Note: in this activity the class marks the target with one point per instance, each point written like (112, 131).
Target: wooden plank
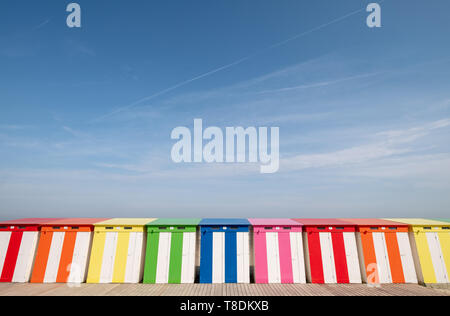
(245, 290)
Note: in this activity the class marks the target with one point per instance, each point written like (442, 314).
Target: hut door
(80, 257)
(298, 261)
(351, 252)
(218, 270)
(5, 237)
(135, 263)
(25, 257)
(109, 255)
(162, 270)
(329, 268)
(409, 269)
(243, 257)
(188, 257)
(381, 253)
(273, 258)
(54, 257)
(437, 258)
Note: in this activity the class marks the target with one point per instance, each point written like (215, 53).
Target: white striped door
(134, 258)
(298, 260)
(162, 269)
(381, 253)
(437, 258)
(273, 258)
(218, 275)
(109, 256)
(54, 257)
(243, 257)
(351, 252)
(80, 258)
(4, 244)
(329, 267)
(25, 259)
(409, 270)
(188, 259)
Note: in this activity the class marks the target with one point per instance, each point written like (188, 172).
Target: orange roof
(77, 221)
(373, 222)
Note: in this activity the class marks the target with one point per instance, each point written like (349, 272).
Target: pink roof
(323, 222)
(30, 221)
(77, 221)
(273, 222)
(373, 222)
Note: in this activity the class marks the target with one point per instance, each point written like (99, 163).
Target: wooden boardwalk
(27, 289)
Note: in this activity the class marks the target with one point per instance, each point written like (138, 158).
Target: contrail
(183, 83)
(41, 25)
(174, 87)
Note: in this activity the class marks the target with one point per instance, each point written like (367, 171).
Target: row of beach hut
(126, 250)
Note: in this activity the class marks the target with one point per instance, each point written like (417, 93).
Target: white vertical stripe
(192, 257)
(243, 254)
(329, 267)
(109, 256)
(437, 257)
(77, 272)
(384, 268)
(185, 259)
(162, 266)
(218, 268)
(134, 267)
(247, 257)
(188, 258)
(54, 257)
(409, 270)
(25, 259)
(298, 261)
(4, 244)
(133, 259)
(351, 252)
(273, 258)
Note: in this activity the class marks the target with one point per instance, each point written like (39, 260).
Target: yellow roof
(418, 221)
(126, 222)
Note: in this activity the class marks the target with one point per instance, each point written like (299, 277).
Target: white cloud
(386, 144)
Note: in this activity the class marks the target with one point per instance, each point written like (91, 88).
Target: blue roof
(224, 222)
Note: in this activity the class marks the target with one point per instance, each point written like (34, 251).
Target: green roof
(442, 219)
(175, 222)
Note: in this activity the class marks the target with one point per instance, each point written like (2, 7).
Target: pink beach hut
(278, 251)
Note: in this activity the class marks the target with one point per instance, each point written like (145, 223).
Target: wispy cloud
(78, 48)
(319, 84)
(14, 127)
(389, 143)
(75, 133)
(398, 144)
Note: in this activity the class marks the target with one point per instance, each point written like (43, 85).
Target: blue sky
(364, 114)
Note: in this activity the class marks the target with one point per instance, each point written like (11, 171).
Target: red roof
(323, 222)
(77, 221)
(373, 222)
(30, 221)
